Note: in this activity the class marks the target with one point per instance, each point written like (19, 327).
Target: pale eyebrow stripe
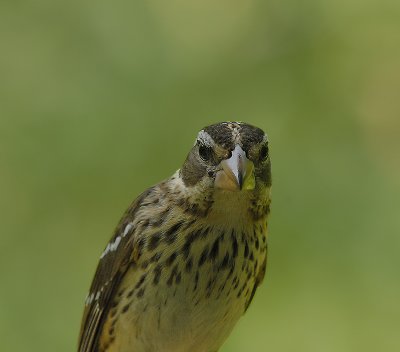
(205, 138)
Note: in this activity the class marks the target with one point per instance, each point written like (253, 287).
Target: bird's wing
(120, 252)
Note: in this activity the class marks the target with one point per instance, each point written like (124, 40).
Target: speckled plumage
(186, 258)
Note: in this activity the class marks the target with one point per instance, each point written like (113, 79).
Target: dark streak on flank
(171, 259)
(214, 250)
(154, 241)
(125, 308)
(145, 264)
(232, 262)
(203, 256)
(178, 278)
(140, 293)
(205, 232)
(189, 265)
(225, 261)
(172, 233)
(157, 274)
(246, 249)
(140, 282)
(156, 257)
(210, 281)
(234, 245)
(173, 274)
(140, 246)
(190, 238)
(196, 281)
(243, 287)
(209, 287)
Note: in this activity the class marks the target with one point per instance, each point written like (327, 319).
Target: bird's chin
(224, 182)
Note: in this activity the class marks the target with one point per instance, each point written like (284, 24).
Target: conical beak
(237, 172)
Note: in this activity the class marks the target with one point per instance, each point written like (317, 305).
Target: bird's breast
(187, 294)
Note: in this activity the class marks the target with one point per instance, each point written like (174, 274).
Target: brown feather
(109, 274)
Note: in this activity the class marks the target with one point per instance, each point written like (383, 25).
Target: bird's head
(229, 160)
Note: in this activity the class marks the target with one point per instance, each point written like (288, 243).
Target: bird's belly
(178, 319)
(179, 327)
(189, 305)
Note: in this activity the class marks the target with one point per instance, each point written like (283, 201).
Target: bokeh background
(99, 100)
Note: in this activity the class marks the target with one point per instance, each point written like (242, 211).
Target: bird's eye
(206, 153)
(264, 152)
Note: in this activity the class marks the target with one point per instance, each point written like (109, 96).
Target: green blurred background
(99, 100)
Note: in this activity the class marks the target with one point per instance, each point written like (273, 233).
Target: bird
(187, 256)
